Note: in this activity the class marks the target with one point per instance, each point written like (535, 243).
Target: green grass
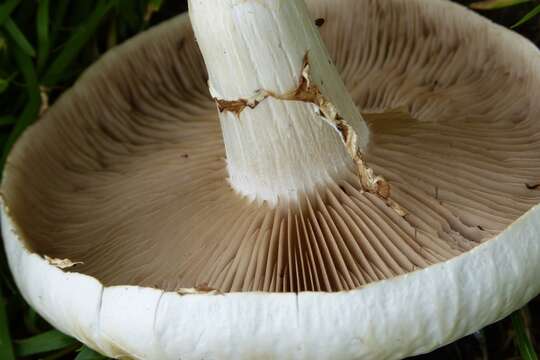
(44, 46)
(522, 338)
(501, 4)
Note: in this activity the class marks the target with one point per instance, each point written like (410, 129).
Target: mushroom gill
(127, 172)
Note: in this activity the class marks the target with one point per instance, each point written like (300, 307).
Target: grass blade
(42, 343)
(18, 37)
(76, 42)
(528, 17)
(31, 109)
(85, 353)
(7, 120)
(31, 319)
(153, 7)
(522, 340)
(6, 345)
(4, 84)
(59, 12)
(6, 9)
(42, 25)
(62, 354)
(495, 4)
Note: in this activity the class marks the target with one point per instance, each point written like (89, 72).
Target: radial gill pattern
(127, 172)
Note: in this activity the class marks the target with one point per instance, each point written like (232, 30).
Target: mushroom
(293, 226)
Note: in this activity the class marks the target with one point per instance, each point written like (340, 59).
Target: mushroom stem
(277, 91)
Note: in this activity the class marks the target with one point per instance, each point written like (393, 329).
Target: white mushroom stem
(277, 91)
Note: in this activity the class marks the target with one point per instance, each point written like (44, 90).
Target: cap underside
(127, 172)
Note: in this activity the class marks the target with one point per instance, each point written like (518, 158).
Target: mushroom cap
(128, 166)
